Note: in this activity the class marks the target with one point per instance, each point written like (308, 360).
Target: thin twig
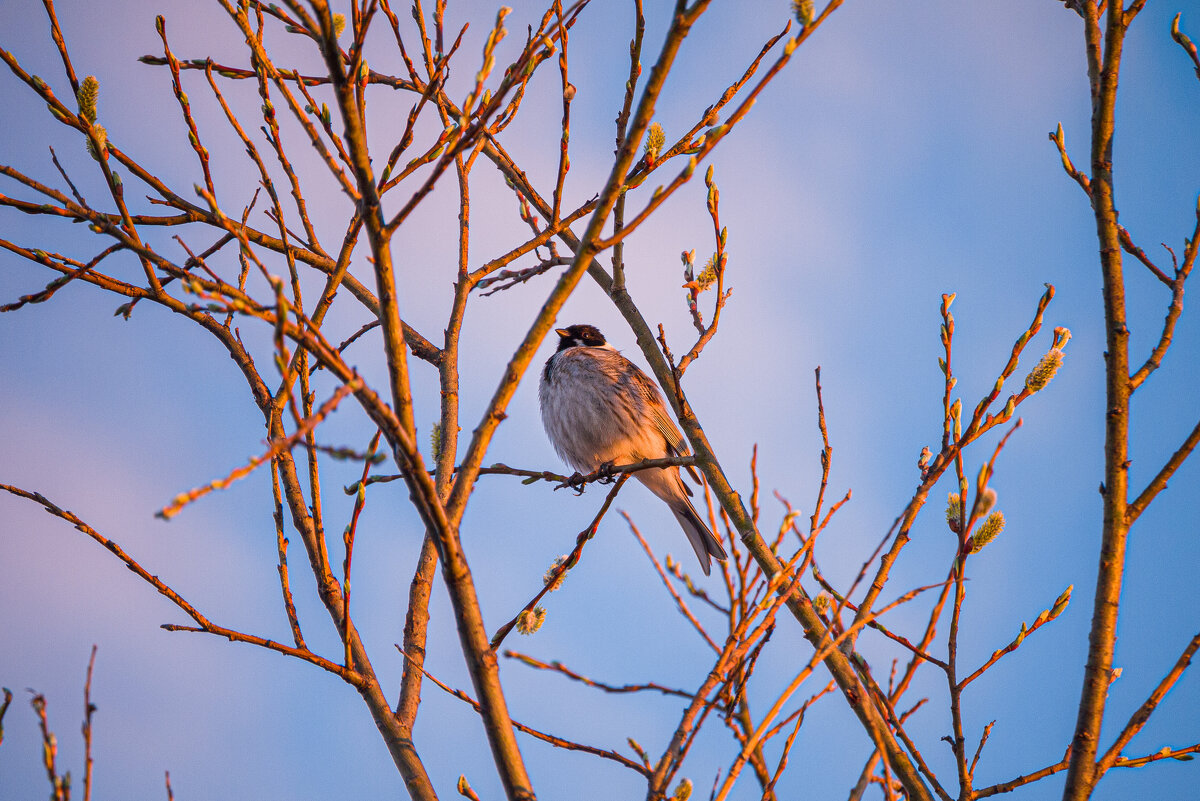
(557, 742)
(1142, 715)
(205, 625)
(679, 602)
(560, 570)
(182, 500)
(88, 710)
(559, 667)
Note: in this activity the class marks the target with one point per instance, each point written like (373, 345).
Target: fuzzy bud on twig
(101, 138)
(954, 512)
(435, 440)
(803, 9)
(683, 790)
(990, 529)
(549, 579)
(88, 94)
(655, 138)
(986, 501)
(821, 603)
(707, 276)
(530, 621)
(1040, 375)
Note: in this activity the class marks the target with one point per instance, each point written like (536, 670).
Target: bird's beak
(562, 332)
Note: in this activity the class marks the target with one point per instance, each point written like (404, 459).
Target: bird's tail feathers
(667, 484)
(703, 542)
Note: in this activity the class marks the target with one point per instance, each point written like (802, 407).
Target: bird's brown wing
(656, 408)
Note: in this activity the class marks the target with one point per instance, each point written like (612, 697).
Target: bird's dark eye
(591, 337)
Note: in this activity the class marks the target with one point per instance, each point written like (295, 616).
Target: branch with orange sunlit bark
(351, 151)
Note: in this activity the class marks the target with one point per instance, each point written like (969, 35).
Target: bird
(599, 409)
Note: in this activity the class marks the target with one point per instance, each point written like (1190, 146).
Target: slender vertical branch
(89, 709)
(481, 660)
(1104, 62)
(635, 72)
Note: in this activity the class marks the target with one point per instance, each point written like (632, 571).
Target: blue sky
(901, 155)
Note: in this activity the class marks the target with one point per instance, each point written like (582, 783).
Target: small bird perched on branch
(600, 409)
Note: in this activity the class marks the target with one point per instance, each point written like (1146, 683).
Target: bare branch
(1045, 617)
(557, 742)
(1159, 482)
(1028, 778)
(204, 624)
(559, 667)
(1183, 41)
(1112, 756)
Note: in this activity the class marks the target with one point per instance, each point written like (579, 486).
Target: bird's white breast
(592, 411)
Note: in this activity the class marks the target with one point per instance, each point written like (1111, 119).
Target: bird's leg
(578, 482)
(605, 472)
(575, 481)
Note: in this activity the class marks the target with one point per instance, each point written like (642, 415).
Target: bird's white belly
(591, 425)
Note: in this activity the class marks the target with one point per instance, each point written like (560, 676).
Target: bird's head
(574, 336)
